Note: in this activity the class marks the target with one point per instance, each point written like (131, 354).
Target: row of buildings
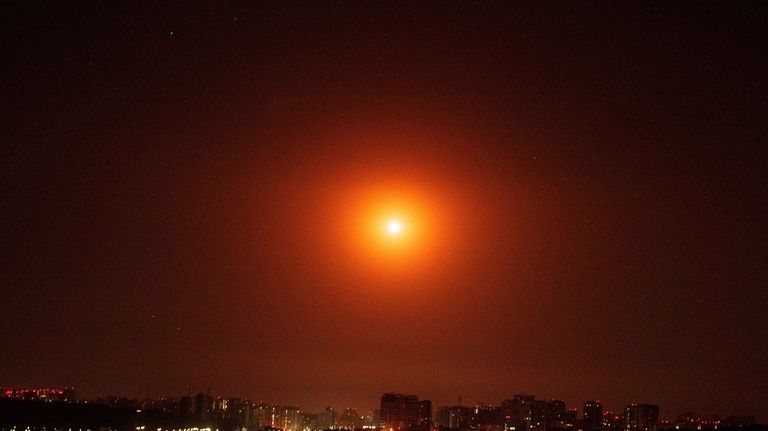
(522, 412)
(397, 412)
(66, 395)
(248, 415)
(200, 411)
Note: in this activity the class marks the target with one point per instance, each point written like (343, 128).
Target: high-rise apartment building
(593, 415)
(454, 417)
(424, 416)
(641, 417)
(399, 412)
(555, 414)
(539, 415)
(518, 412)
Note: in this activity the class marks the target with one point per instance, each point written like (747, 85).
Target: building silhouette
(398, 411)
(593, 415)
(555, 414)
(454, 417)
(424, 416)
(641, 417)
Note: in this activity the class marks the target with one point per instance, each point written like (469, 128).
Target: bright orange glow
(395, 227)
(405, 228)
(395, 231)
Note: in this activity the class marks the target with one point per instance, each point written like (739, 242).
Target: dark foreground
(24, 415)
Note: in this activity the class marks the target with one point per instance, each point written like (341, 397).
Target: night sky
(182, 190)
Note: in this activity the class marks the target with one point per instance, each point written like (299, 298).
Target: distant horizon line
(190, 393)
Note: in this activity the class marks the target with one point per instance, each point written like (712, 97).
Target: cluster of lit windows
(142, 428)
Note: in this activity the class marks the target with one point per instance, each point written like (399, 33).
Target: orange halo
(393, 230)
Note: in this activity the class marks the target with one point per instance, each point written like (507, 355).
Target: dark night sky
(179, 185)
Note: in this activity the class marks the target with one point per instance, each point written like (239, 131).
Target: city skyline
(580, 411)
(317, 202)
